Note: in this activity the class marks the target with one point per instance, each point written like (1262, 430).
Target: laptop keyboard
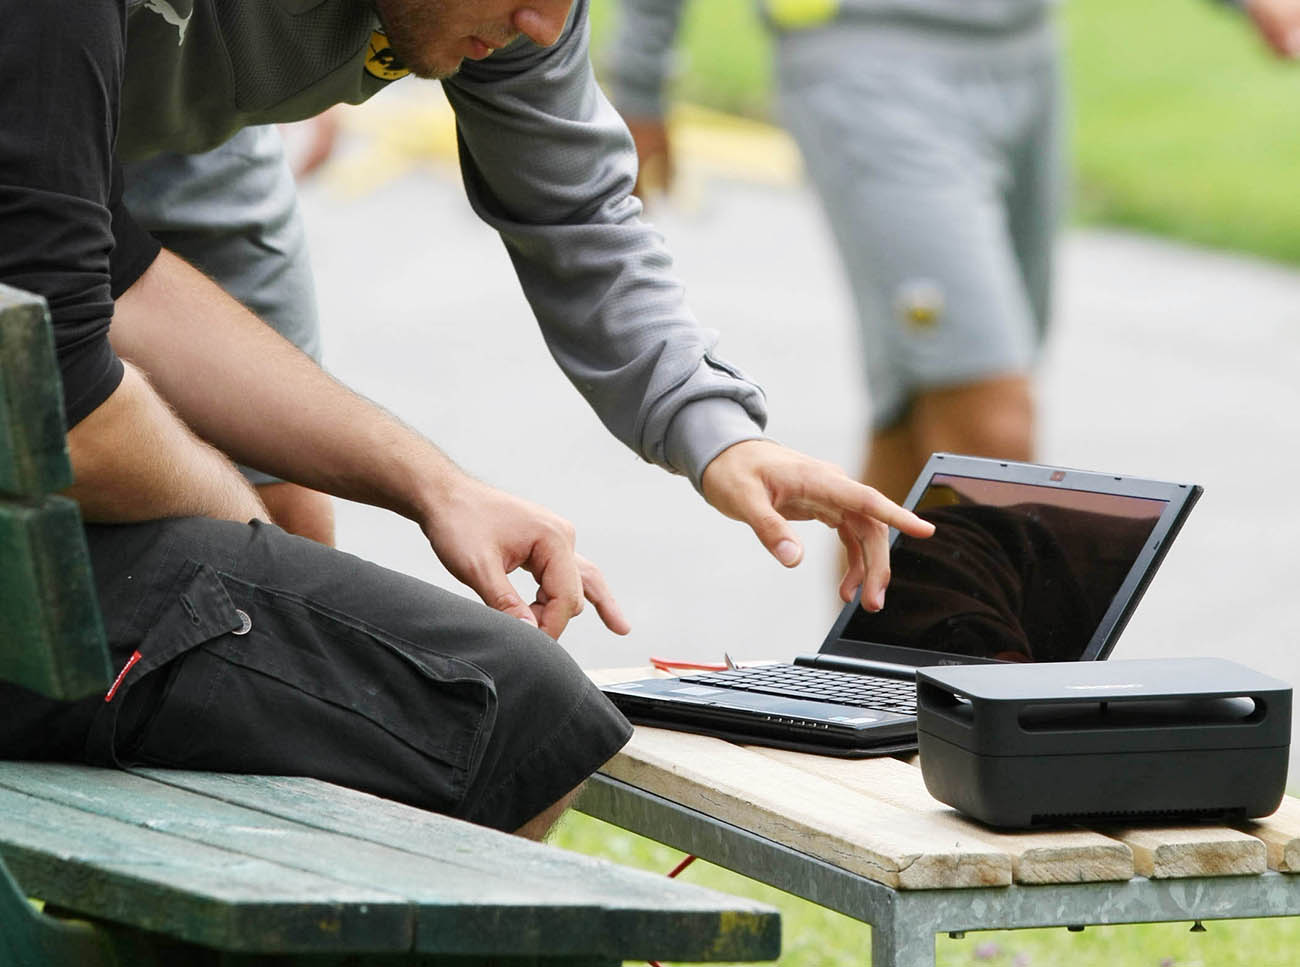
(816, 684)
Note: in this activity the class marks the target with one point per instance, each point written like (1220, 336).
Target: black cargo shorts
(241, 648)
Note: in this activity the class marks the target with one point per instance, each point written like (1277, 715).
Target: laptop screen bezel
(1179, 499)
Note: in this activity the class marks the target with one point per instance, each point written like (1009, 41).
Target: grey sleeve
(638, 65)
(549, 164)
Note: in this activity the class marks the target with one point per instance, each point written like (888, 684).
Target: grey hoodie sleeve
(637, 68)
(549, 164)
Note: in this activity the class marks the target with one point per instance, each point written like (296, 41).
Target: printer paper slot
(1146, 713)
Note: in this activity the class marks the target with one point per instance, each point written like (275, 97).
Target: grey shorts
(249, 650)
(233, 213)
(937, 156)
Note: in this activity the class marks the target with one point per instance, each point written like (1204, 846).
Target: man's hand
(482, 534)
(766, 485)
(654, 154)
(1278, 22)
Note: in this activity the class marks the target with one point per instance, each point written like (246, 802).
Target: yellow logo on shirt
(381, 59)
(795, 14)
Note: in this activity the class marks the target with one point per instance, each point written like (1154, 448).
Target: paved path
(1167, 362)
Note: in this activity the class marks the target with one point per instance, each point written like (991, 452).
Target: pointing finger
(597, 591)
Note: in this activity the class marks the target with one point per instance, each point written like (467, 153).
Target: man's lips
(480, 48)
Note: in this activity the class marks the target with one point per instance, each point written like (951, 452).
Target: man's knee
(299, 510)
(989, 418)
(540, 826)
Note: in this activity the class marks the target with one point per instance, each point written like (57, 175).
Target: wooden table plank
(215, 897)
(640, 915)
(805, 812)
(1178, 851)
(1280, 834)
(612, 676)
(1057, 856)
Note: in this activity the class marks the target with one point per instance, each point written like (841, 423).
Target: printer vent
(1128, 816)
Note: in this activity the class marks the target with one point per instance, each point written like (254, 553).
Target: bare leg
(991, 418)
(540, 825)
(307, 513)
(891, 464)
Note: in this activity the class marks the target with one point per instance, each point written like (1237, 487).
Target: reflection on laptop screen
(1014, 571)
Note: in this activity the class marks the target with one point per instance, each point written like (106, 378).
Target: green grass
(1184, 125)
(816, 937)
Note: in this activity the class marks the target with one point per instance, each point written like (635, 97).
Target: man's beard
(406, 24)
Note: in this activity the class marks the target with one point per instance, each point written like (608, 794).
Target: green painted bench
(156, 867)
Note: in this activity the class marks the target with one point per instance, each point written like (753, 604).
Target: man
(244, 648)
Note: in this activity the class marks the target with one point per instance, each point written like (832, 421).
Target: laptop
(1027, 563)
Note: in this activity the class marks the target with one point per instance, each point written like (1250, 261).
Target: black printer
(1094, 742)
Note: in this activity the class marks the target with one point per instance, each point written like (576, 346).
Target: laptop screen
(1014, 571)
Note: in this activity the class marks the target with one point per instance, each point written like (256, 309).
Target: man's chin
(436, 72)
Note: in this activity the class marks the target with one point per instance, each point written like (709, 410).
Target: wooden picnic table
(865, 838)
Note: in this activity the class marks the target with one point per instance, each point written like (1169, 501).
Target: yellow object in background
(797, 14)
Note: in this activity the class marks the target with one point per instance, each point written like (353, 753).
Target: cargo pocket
(196, 611)
(298, 689)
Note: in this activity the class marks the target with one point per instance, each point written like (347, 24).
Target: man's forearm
(252, 394)
(256, 397)
(135, 460)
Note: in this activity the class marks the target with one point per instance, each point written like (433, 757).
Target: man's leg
(989, 418)
(539, 827)
(263, 653)
(890, 459)
(994, 417)
(300, 510)
(233, 213)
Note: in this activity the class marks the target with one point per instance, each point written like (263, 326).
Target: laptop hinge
(862, 666)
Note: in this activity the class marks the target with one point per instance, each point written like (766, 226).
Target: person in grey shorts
(931, 130)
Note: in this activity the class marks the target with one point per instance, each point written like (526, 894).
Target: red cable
(681, 866)
(672, 664)
(676, 869)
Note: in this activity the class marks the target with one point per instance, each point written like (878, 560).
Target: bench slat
(33, 452)
(1058, 856)
(53, 641)
(215, 897)
(660, 918)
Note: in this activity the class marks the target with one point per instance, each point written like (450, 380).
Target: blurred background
(1175, 354)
